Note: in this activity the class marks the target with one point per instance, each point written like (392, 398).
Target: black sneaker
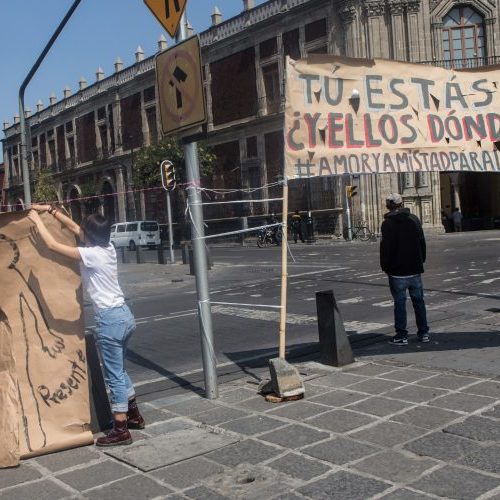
(397, 340)
(424, 338)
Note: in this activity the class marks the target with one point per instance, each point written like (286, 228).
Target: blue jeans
(114, 326)
(398, 290)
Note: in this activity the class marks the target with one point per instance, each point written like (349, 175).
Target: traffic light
(168, 175)
(351, 191)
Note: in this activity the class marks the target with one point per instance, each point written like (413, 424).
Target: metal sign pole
(22, 122)
(200, 257)
(170, 231)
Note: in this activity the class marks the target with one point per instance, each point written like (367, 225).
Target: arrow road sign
(168, 13)
(180, 86)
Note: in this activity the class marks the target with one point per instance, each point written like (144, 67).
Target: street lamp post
(22, 121)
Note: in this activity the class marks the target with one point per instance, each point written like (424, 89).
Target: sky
(98, 32)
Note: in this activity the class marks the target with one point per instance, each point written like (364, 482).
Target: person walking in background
(402, 257)
(114, 321)
(457, 220)
(296, 226)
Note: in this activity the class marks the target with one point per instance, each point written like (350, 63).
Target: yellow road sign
(180, 86)
(168, 13)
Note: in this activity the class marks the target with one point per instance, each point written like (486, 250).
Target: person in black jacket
(402, 257)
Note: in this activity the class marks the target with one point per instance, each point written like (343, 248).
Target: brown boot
(118, 435)
(134, 417)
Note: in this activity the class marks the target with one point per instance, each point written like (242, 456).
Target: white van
(141, 233)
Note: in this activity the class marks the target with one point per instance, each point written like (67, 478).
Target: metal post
(200, 259)
(348, 214)
(170, 231)
(22, 122)
(309, 221)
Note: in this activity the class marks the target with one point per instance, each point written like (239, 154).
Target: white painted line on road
(488, 282)
(256, 295)
(310, 298)
(180, 312)
(292, 319)
(352, 300)
(164, 318)
(493, 272)
(452, 303)
(385, 303)
(370, 275)
(317, 272)
(298, 282)
(453, 279)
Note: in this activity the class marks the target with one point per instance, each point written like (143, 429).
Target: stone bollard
(123, 255)
(185, 252)
(244, 225)
(139, 255)
(162, 255)
(335, 348)
(191, 260)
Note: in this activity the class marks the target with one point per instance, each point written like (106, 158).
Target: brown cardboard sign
(44, 398)
(360, 116)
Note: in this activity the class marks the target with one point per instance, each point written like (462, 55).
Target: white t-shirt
(100, 276)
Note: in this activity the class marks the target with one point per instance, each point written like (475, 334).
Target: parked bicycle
(359, 230)
(269, 236)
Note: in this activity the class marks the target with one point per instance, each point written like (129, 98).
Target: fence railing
(468, 63)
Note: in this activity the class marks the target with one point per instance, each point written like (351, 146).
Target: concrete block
(249, 451)
(294, 436)
(299, 466)
(251, 482)
(62, 460)
(255, 424)
(285, 378)
(454, 482)
(343, 485)
(388, 434)
(384, 464)
(340, 451)
(340, 420)
(159, 451)
(443, 446)
(477, 428)
(41, 490)
(488, 459)
(132, 487)
(426, 417)
(188, 473)
(95, 475)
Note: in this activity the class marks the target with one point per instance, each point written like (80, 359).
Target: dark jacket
(402, 249)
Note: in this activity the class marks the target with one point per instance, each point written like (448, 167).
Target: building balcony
(469, 63)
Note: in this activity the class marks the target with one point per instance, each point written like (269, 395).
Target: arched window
(463, 38)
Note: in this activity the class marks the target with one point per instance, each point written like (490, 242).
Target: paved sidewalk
(371, 430)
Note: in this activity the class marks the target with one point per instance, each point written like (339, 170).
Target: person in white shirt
(114, 321)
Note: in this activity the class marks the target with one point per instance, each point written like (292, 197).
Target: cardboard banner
(44, 396)
(360, 116)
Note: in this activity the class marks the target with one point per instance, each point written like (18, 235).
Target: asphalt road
(462, 282)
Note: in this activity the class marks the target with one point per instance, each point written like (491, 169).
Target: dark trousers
(415, 288)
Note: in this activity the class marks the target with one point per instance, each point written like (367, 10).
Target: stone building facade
(88, 139)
